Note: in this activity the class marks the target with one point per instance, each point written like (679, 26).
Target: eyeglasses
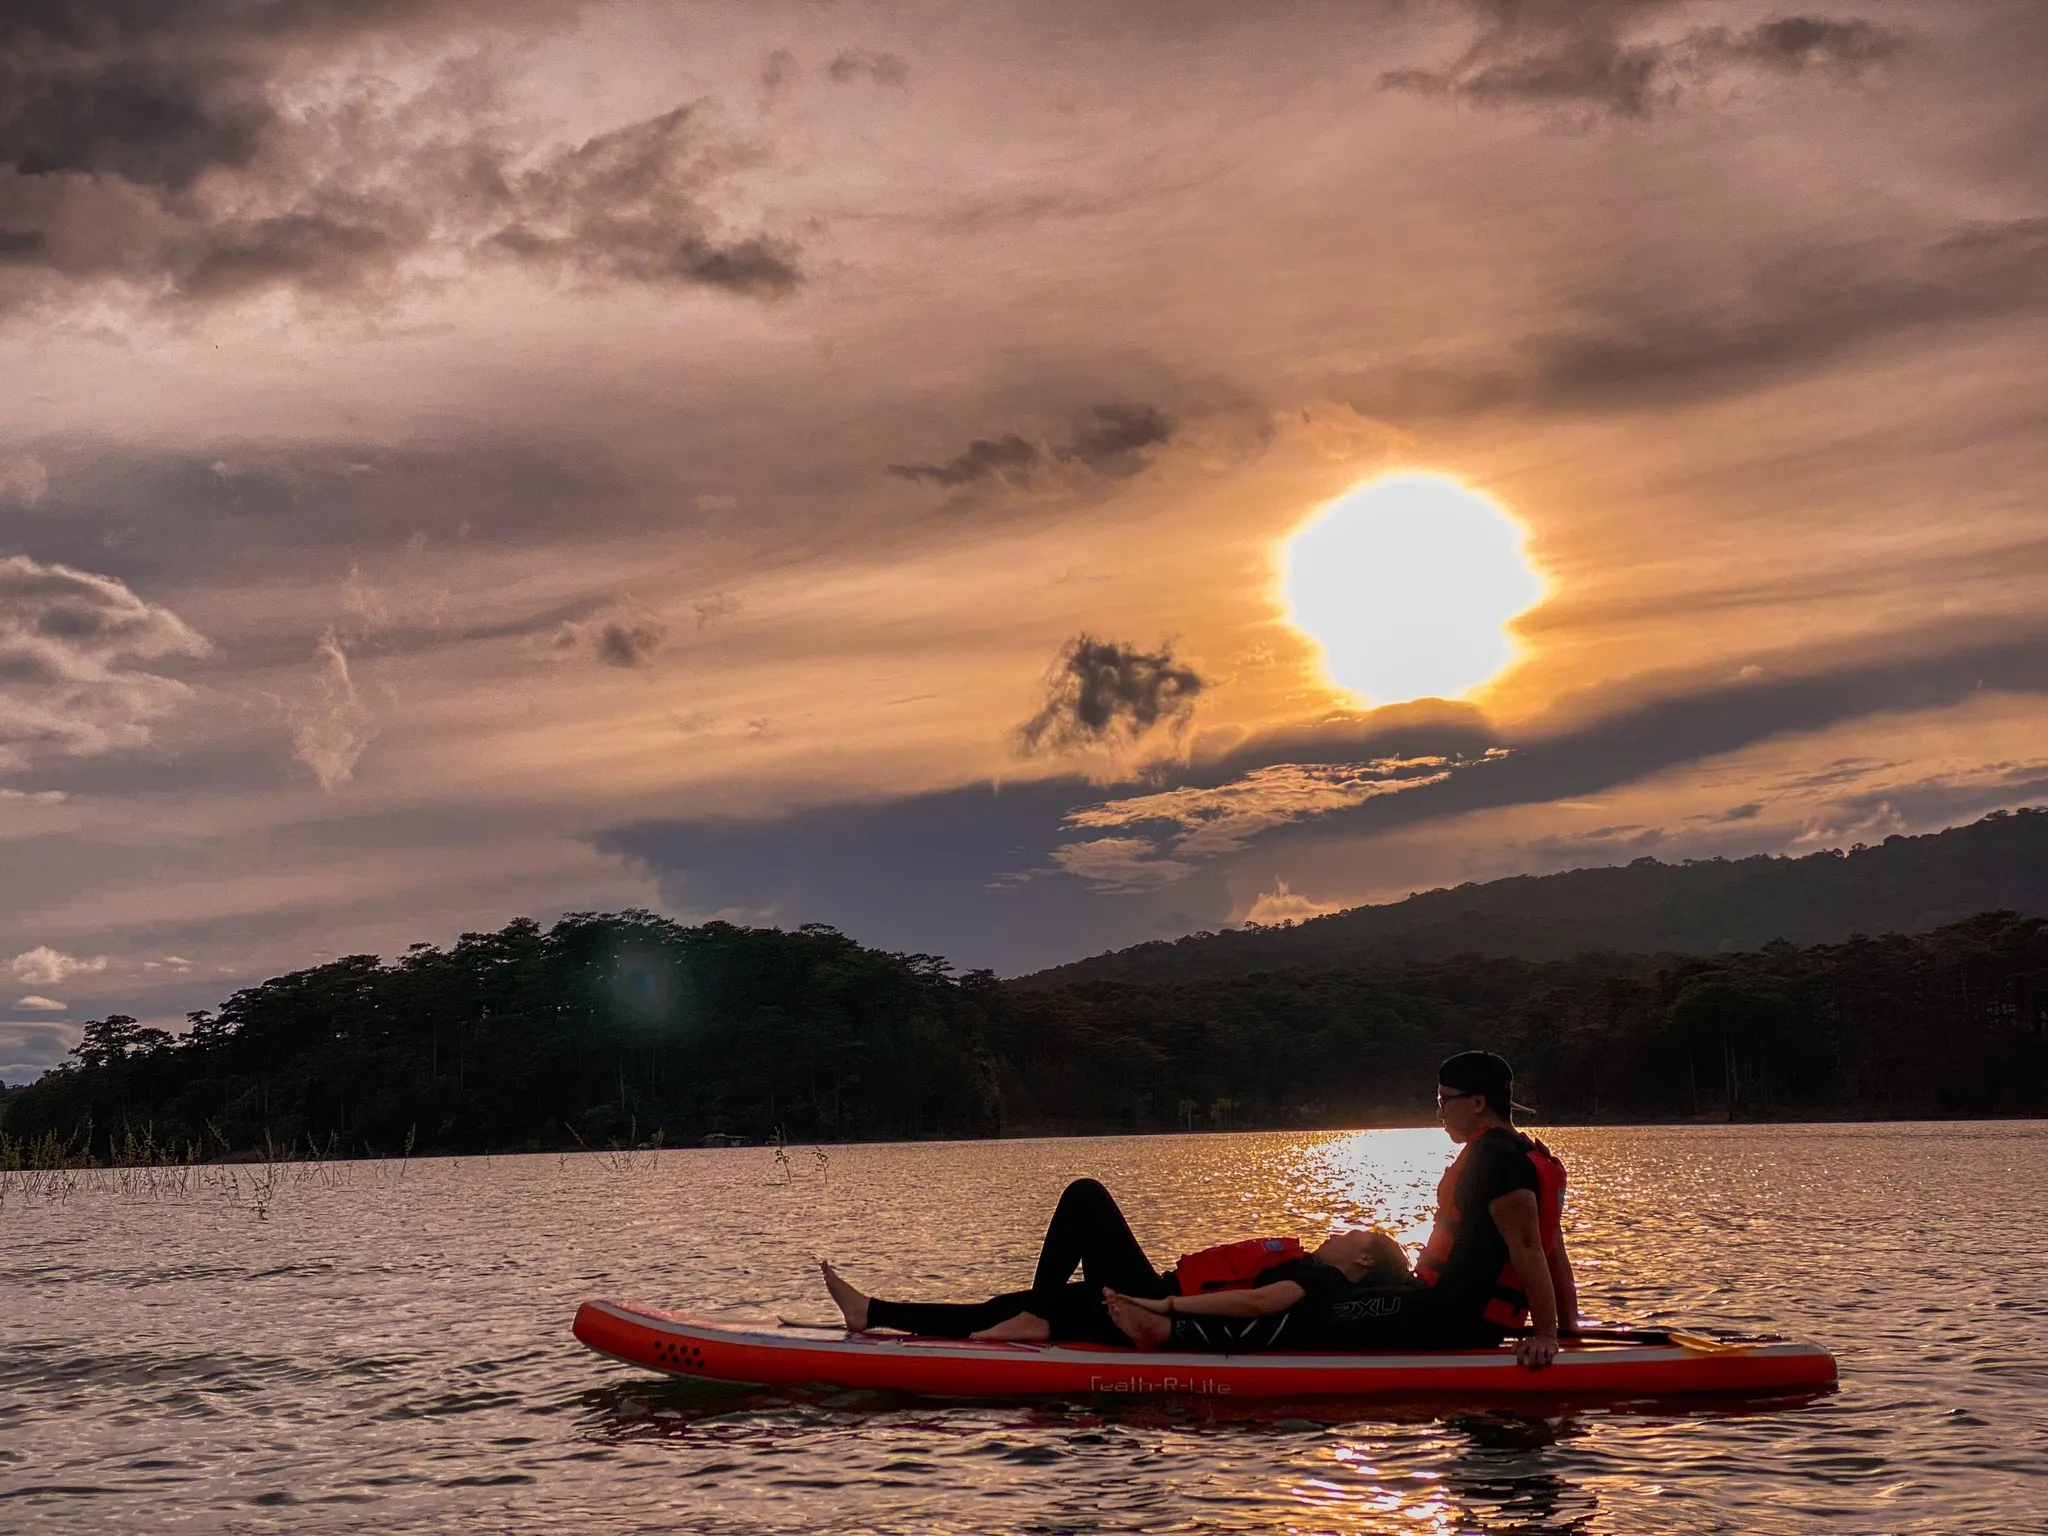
(1451, 1098)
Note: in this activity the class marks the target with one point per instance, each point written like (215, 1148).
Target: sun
(1407, 583)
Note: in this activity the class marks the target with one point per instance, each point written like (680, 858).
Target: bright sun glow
(1407, 584)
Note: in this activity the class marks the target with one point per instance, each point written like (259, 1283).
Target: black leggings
(1086, 1230)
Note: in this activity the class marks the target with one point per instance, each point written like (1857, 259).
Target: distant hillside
(627, 1028)
(1904, 885)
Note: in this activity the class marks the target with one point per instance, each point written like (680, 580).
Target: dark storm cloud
(143, 145)
(1108, 443)
(136, 119)
(1105, 691)
(1796, 316)
(155, 92)
(1581, 54)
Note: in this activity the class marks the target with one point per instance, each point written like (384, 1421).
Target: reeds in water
(53, 1169)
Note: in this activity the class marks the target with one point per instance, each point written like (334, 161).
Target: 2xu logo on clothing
(1198, 1386)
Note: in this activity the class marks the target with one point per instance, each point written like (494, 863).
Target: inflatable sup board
(685, 1346)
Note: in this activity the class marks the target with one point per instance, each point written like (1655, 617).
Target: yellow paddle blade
(1700, 1344)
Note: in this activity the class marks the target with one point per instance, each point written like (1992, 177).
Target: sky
(827, 462)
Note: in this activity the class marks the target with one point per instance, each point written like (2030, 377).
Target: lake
(385, 1347)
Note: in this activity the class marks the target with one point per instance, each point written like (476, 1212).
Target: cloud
(1108, 443)
(71, 645)
(1209, 820)
(858, 63)
(1580, 54)
(777, 70)
(1009, 459)
(1805, 42)
(1194, 822)
(627, 206)
(985, 875)
(1120, 864)
(1105, 692)
(23, 480)
(27, 1051)
(47, 967)
(204, 154)
(115, 105)
(335, 727)
(628, 645)
(1112, 440)
(37, 1004)
(1283, 904)
(1634, 741)
(626, 639)
(930, 871)
(1748, 811)
(709, 610)
(1791, 317)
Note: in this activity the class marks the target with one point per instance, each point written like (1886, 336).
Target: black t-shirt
(1494, 1165)
(1311, 1320)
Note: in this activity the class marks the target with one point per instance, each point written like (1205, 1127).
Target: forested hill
(620, 1030)
(1903, 885)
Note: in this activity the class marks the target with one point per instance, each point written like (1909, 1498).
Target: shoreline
(257, 1158)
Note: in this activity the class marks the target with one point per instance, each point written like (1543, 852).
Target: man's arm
(1566, 1286)
(1262, 1301)
(1515, 1215)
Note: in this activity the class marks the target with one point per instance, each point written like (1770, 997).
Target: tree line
(627, 1028)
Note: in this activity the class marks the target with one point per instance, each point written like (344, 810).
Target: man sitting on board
(1495, 1258)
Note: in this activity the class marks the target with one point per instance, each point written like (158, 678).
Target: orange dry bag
(1234, 1266)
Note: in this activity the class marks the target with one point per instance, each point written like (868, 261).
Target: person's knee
(1089, 1191)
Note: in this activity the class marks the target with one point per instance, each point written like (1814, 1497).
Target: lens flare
(1407, 583)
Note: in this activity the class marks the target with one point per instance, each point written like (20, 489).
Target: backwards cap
(1480, 1072)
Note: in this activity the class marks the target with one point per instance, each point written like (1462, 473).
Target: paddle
(1692, 1343)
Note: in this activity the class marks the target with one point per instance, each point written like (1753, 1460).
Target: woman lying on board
(1089, 1231)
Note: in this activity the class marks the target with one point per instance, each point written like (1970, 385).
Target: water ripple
(389, 1352)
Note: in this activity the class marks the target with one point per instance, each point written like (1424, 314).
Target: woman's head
(1363, 1254)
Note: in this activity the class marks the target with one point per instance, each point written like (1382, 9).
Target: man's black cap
(1479, 1072)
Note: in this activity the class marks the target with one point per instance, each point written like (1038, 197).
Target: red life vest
(1508, 1305)
(1234, 1266)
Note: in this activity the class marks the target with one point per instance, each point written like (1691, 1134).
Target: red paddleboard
(685, 1346)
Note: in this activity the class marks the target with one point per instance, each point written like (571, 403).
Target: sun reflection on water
(1370, 1178)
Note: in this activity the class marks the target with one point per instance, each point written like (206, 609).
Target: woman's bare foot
(853, 1306)
(1147, 1330)
(1024, 1328)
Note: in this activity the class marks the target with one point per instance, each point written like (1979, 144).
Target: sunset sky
(826, 462)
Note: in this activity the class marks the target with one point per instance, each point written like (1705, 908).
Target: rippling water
(370, 1347)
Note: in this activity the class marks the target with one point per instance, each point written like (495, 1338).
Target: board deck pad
(687, 1346)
